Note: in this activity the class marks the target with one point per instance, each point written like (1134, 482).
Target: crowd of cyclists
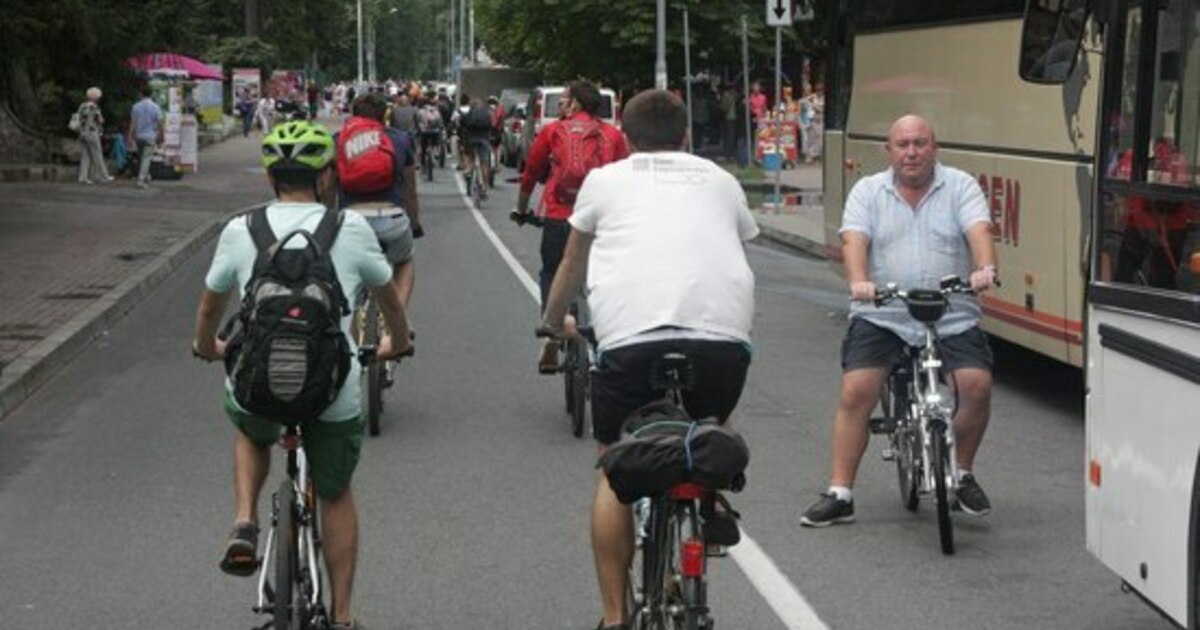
(656, 237)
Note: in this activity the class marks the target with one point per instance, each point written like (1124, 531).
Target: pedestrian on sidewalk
(145, 127)
(91, 157)
(264, 114)
(245, 109)
(814, 102)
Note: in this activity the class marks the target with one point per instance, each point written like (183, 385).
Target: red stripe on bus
(1033, 326)
(1017, 310)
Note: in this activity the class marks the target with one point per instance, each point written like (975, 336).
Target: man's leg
(145, 155)
(612, 547)
(85, 161)
(251, 463)
(554, 241)
(859, 393)
(403, 279)
(340, 547)
(974, 387)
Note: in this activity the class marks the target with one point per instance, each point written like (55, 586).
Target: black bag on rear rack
(290, 358)
(661, 447)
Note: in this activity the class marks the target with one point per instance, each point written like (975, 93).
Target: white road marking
(781, 594)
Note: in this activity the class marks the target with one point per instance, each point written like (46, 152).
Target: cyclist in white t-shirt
(659, 237)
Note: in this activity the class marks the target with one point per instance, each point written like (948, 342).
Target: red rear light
(516, 126)
(691, 562)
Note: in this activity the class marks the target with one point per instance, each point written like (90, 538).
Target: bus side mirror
(1050, 39)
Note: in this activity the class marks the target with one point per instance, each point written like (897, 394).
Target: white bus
(1082, 119)
(1143, 295)
(1031, 146)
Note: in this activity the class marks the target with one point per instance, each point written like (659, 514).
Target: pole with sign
(779, 15)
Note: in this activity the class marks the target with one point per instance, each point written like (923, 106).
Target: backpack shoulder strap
(327, 230)
(260, 229)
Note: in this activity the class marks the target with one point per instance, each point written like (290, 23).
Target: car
(510, 146)
(542, 109)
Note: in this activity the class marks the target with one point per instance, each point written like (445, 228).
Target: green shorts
(332, 448)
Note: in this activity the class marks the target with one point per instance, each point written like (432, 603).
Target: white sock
(962, 472)
(842, 493)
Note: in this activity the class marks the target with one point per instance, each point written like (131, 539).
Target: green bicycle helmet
(298, 145)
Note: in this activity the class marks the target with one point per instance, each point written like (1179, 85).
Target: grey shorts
(869, 346)
(394, 231)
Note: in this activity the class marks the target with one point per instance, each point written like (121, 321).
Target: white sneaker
(142, 184)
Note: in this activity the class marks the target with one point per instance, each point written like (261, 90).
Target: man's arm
(412, 204)
(983, 253)
(208, 318)
(537, 165)
(568, 279)
(398, 341)
(854, 259)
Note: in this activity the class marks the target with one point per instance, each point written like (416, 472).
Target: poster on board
(248, 80)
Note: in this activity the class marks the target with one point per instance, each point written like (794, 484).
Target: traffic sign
(779, 13)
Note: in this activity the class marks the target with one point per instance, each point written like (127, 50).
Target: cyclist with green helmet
(298, 157)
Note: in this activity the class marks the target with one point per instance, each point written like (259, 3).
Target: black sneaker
(828, 510)
(971, 498)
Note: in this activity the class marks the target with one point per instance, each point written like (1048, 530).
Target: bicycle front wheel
(579, 387)
(285, 558)
(374, 380)
(940, 462)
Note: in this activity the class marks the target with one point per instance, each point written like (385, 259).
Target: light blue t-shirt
(356, 258)
(916, 248)
(145, 116)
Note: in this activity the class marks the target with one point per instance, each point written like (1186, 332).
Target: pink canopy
(195, 68)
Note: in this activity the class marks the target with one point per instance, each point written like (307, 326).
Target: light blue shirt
(917, 247)
(356, 258)
(146, 115)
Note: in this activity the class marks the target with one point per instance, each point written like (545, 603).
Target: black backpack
(660, 446)
(478, 119)
(290, 357)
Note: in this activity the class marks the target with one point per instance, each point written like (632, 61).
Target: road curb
(31, 370)
(792, 241)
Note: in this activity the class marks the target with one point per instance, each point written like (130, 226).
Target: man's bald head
(912, 151)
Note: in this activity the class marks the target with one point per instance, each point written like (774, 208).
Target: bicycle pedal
(882, 425)
(888, 455)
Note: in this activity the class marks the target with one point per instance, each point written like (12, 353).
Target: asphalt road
(115, 478)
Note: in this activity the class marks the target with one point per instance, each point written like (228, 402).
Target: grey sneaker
(828, 510)
(971, 497)
(353, 625)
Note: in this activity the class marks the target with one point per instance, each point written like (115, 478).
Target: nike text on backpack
(290, 357)
(580, 146)
(365, 156)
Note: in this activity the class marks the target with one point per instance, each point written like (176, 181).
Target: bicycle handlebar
(366, 354)
(949, 285)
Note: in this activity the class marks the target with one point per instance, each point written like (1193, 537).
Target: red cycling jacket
(538, 170)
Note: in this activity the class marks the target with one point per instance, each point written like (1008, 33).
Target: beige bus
(1031, 146)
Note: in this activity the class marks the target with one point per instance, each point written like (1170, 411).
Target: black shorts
(621, 383)
(869, 346)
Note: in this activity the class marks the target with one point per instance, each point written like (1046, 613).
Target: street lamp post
(660, 63)
(687, 71)
(360, 42)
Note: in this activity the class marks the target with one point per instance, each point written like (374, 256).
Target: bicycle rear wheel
(693, 593)
(285, 558)
(940, 462)
(905, 445)
(374, 384)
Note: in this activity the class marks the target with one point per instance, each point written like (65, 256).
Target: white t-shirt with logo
(667, 250)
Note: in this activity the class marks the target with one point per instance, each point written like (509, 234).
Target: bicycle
(377, 376)
(667, 585)
(916, 415)
(295, 599)
(577, 364)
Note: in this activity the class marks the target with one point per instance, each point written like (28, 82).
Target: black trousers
(554, 241)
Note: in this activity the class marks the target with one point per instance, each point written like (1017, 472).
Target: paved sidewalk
(76, 257)
(799, 221)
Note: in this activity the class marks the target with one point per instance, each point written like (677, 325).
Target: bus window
(1150, 243)
(1050, 39)
(1175, 130)
(1119, 164)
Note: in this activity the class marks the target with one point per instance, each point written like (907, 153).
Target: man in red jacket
(561, 155)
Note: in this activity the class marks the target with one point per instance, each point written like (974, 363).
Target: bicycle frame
(306, 524)
(676, 558)
(929, 405)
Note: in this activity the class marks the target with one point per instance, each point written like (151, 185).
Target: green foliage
(615, 41)
(242, 52)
